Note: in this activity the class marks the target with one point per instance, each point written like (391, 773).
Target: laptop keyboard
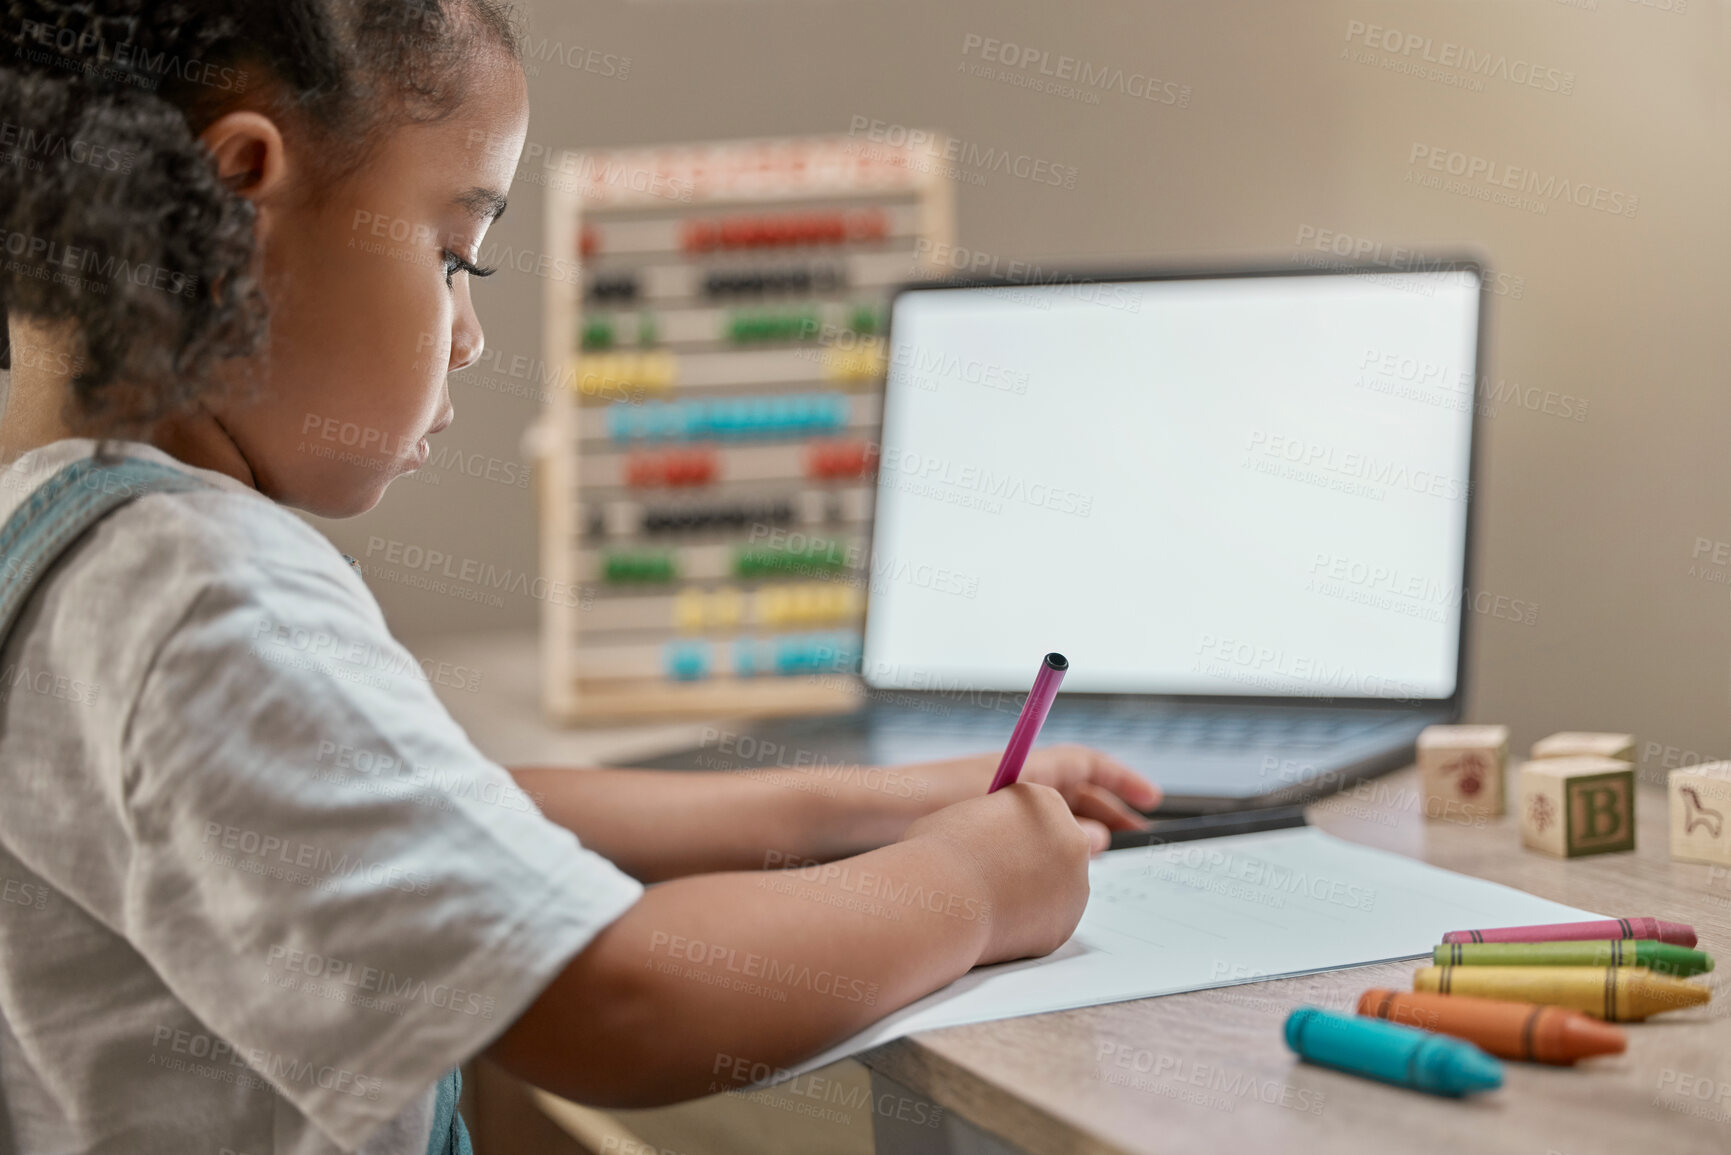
(1232, 729)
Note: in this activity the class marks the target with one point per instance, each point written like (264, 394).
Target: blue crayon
(1404, 1056)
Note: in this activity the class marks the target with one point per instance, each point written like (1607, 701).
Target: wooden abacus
(707, 468)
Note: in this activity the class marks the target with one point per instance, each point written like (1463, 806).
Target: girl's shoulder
(220, 572)
(163, 543)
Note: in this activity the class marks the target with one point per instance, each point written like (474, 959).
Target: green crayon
(1659, 957)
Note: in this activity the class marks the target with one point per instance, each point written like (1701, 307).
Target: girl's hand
(1032, 865)
(1102, 792)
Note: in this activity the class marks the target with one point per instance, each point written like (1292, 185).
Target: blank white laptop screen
(1250, 485)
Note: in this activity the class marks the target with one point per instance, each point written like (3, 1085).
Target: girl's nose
(467, 341)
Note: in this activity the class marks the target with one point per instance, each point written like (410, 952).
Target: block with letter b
(1462, 770)
(1701, 812)
(1580, 805)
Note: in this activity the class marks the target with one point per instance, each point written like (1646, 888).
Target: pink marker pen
(1033, 716)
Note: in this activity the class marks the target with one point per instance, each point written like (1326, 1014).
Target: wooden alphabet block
(1576, 743)
(1701, 812)
(1576, 806)
(1462, 770)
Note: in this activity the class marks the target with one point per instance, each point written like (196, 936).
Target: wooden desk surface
(1210, 1071)
(1217, 1074)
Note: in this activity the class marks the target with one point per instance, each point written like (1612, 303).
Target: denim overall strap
(449, 1135)
(55, 515)
(61, 509)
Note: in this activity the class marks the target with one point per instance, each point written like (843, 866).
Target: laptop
(1238, 501)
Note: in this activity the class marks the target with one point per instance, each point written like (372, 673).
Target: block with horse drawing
(1700, 807)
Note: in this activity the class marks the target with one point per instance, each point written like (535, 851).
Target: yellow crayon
(1618, 994)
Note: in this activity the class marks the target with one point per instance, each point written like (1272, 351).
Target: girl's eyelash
(455, 264)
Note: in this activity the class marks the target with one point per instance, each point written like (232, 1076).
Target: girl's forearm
(657, 824)
(709, 983)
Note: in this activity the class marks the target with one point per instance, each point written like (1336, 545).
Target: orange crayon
(1527, 1031)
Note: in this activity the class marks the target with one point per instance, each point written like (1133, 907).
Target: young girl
(260, 892)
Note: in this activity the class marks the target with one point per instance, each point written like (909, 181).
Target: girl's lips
(422, 449)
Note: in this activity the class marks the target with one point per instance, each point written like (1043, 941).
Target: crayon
(1618, 994)
(1404, 1056)
(1658, 957)
(1529, 1031)
(1672, 932)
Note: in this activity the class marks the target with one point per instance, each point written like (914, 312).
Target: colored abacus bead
(865, 362)
(799, 325)
(819, 556)
(622, 567)
(841, 459)
(688, 661)
(697, 236)
(808, 604)
(642, 472)
(623, 376)
(597, 333)
(816, 654)
(616, 287)
(752, 657)
(697, 467)
(725, 418)
(726, 608)
(869, 225)
(690, 609)
(686, 519)
(621, 423)
(672, 468)
(768, 282)
(783, 230)
(695, 610)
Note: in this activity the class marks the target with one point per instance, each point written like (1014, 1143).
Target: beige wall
(1594, 522)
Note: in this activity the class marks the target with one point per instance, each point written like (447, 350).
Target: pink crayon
(1650, 928)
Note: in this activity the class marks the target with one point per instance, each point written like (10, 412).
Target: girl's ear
(249, 153)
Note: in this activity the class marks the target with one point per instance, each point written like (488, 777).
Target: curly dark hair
(112, 216)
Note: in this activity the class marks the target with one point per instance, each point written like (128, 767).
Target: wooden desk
(1209, 1071)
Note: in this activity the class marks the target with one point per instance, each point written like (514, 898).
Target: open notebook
(1190, 916)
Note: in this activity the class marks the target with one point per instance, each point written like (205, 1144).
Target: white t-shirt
(258, 891)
